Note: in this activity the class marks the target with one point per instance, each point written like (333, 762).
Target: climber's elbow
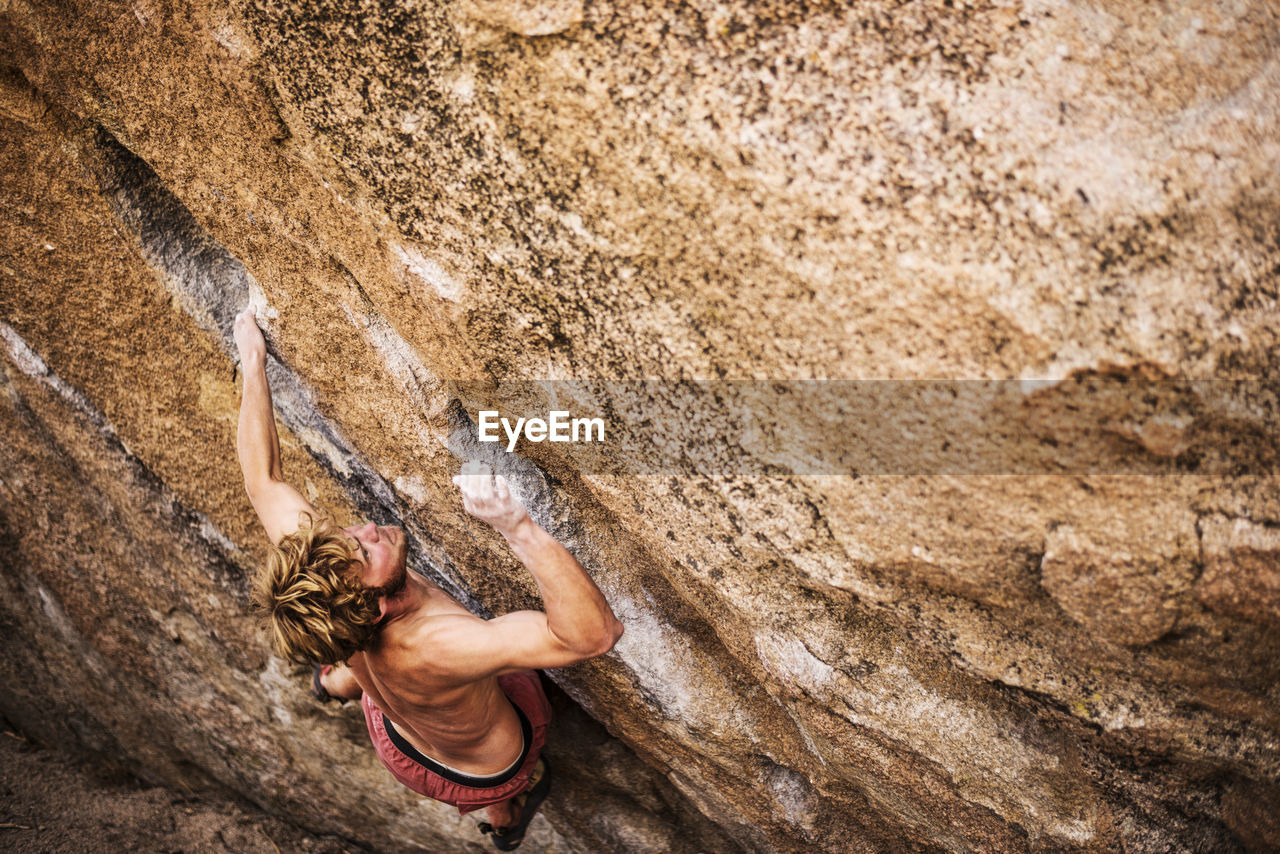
(587, 643)
(603, 641)
(611, 636)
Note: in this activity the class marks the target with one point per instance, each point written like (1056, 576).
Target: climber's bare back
(466, 724)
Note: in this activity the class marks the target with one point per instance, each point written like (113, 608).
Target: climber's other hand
(489, 497)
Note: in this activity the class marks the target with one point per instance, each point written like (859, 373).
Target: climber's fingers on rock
(472, 468)
(476, 483)
(489, 497)
(467, 504)
(483, 485)
(501, 490)
(466, 482)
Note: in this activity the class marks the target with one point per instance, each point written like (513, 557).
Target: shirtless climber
(451, 701)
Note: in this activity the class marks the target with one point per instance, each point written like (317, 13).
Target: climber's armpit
(279, 507)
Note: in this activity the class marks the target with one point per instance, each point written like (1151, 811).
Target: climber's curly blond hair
(314, 605)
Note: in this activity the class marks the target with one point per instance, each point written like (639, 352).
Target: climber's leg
(504, 814)
(509, 819)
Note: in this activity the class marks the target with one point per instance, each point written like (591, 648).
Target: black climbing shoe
(317, 687)
(509, 838)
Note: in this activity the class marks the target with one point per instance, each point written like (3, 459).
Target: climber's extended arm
(276, 502)
(578, 623)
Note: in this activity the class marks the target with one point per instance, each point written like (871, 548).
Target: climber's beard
(395, 586)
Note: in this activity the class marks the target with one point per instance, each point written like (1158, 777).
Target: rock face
(659, 213)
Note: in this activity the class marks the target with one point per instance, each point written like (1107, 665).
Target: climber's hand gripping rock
(249, 340)
(488, 497)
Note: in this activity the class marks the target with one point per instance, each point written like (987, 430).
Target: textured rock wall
(428, 200)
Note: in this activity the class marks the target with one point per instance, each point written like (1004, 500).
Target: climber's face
(380, 552)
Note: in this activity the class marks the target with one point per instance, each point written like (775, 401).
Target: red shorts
(412, 768)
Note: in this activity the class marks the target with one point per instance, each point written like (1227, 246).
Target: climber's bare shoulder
(434, 652)
(441, 646)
